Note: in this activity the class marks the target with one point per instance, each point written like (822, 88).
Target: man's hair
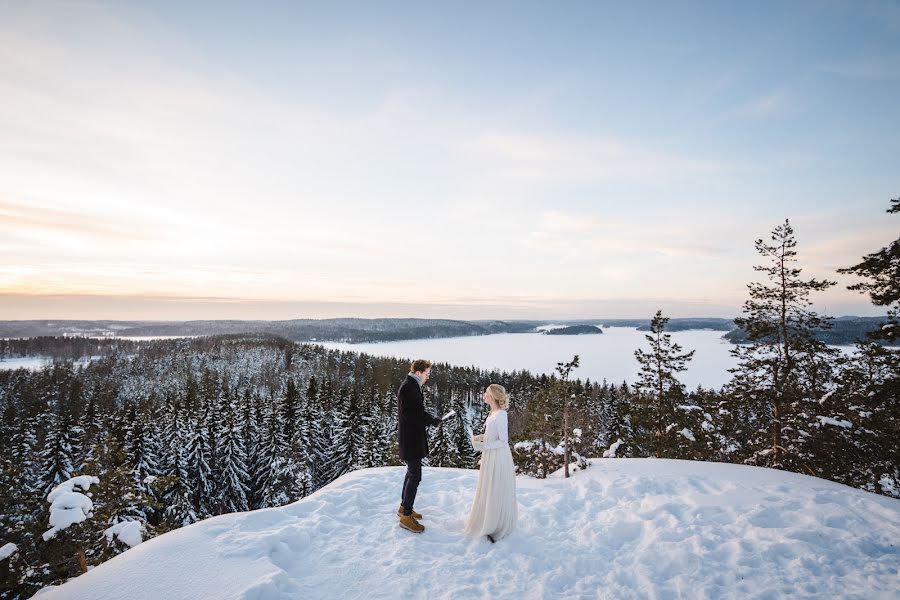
(420, 365)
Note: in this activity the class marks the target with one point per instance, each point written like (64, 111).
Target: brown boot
(408, 522)
(415, 515)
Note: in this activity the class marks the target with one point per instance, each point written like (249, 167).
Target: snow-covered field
(27, 362)
(624, 528)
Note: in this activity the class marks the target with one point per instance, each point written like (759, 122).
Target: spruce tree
(56, 455)
(198, 469)
(439, 454)
(233, 496)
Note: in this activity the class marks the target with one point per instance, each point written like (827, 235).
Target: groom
(412, 420)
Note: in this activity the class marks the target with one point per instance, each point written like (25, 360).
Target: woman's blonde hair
(498, 393)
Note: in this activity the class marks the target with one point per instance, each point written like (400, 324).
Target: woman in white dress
(494, 510)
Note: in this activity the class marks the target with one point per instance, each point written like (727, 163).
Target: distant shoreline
(846, 331)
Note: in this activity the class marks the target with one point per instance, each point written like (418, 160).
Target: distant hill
(574, 330)
(299, 330)
(845, 331)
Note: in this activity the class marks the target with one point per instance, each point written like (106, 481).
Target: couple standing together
(493, 513)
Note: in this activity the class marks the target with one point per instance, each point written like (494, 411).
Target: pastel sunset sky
(184, 160)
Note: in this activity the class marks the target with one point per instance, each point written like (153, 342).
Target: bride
(494, 510)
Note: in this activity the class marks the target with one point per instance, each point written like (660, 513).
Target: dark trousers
(411, 484)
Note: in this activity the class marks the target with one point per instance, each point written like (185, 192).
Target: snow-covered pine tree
(290, 409)
(440, 454)
(199, 473)
(251, 417)
(141, 457)
(348, 435)
(461, 453)
(257, 461)
(91, 426)
(309, 413)
(320, 439)
(233, 494)
(56, 454)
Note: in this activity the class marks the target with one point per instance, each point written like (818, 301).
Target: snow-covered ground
(624, 528)
(27, 362)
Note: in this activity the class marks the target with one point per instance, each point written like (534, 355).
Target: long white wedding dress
(494, 510)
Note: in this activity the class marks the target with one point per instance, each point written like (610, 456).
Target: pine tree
(779, 328)
(658, 384)
(882, 269)
(537, 455)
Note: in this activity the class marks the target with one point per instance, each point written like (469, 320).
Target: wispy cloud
(766, 105)
(535, 156)
(16, 218)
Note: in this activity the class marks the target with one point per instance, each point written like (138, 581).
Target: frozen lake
(609, 355)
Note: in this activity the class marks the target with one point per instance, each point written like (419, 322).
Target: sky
(170, 160)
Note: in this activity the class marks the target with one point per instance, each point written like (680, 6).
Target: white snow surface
(623, 528)
(128, 532)
(7, 550)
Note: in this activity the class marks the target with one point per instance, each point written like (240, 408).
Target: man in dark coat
(412, 420)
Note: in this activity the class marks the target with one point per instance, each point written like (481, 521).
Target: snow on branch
(128, 532)
(7, 550)
(835, 422)
(611, 452)
(67, 506)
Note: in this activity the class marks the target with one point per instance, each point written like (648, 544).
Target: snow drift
(624, 528)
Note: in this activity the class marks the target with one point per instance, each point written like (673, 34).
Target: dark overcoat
(412, 420)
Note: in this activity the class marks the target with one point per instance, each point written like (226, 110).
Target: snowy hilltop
(623, 528)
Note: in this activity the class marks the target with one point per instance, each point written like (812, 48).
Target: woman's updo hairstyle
(498, 393)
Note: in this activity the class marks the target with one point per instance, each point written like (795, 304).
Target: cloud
(532, 156)
(14, 218)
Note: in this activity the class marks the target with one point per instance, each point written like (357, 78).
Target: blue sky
(469, 160)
